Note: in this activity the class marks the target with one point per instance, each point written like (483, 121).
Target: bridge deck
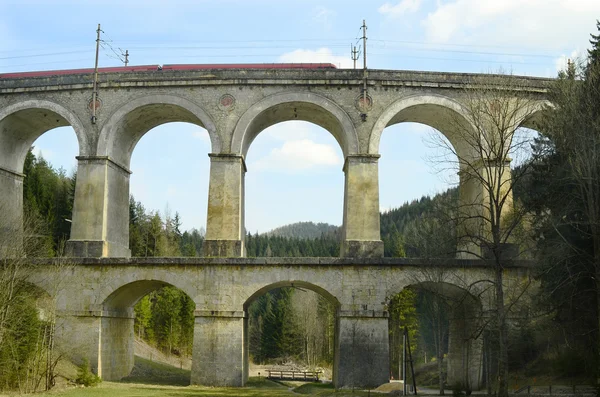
(272, 261)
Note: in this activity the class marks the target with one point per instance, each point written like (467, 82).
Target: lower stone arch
(297, 284)
(116, 317)
(464, 362)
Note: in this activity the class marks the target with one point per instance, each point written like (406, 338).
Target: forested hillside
(304, 230)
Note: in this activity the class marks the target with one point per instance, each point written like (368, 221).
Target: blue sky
(294, 168)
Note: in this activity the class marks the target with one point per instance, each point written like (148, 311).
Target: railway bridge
(98, 289)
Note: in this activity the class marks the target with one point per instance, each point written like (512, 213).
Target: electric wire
(383, 48)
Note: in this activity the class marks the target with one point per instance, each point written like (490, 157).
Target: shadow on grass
(153, 373)
(314, 388)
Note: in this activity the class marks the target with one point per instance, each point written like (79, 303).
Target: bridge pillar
(465, 354)
(11, 212)
(219, 355)
(101, 209)
(78, 336)
(225, 231)
(361, 231)
(474, 208)
(106, 340)
(361, 350)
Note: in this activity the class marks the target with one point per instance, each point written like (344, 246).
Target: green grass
(153, 373)
(149, 379)
(314, 388)
(255, 388)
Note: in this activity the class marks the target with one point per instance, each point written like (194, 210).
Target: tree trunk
(502, 335)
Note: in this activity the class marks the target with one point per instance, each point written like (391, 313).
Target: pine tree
(594, 52)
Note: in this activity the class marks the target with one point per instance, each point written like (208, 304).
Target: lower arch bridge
(95, 299)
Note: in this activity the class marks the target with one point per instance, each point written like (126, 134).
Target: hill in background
(304, 230)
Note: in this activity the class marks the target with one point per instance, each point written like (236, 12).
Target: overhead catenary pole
(364, 113)
(95, 89)
(353, 54)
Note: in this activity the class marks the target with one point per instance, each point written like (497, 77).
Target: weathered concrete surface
(95, 299)
(360, 232)
(234, 106)
(362, 351)
(218, 354)
(100, 210)
(11, 208)
(225, 231)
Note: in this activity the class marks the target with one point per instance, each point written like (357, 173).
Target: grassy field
(149, 379)
(255, 388)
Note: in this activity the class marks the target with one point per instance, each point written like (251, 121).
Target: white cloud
(322, 55)
(404, 6)
(291, 131)
(298, 155)
(537, 24)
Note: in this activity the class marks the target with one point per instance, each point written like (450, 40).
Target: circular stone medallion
(227, 102)
(363, 103)
(98, 104)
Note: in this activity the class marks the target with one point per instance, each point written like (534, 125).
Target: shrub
(85, 376)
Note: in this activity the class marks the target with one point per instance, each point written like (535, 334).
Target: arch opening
(148, 327)
(418, 191)
(40, 141)
(303, 106)
(21, 125)
(169, 191)
(290, 323)
(294, 189)
(442, 325)
(129, 124)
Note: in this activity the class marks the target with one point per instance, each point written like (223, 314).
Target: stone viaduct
(96, 293)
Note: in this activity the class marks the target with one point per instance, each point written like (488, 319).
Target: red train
(158, 68)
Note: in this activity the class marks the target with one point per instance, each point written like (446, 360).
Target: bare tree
(484, 136)
(26, 309)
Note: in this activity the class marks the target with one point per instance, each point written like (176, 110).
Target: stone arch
(465, 345)
(23, 122)
(437, 111)
(303, 105)
(535, 114)
(291, 284)
(248, 299)
(124, 294)
(128, 124)
(116, 343)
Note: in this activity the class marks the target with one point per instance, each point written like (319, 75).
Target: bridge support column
(225, 231)
(11, 213)
(104, 339)
(362, 350)
(465, 354)
(220, 350)
(78, 337)
(474, 208)
(361, 231)
(101, 209)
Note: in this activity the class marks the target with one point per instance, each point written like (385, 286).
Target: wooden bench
(294, 375)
